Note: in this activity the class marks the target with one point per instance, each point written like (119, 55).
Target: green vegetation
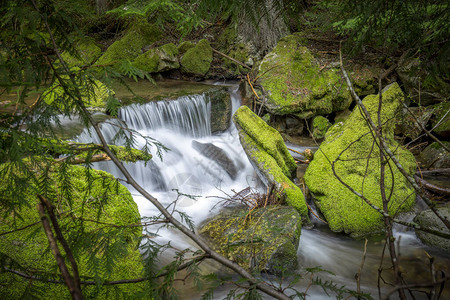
(356, 159)
(197, 60)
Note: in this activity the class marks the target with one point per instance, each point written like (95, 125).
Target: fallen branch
(432, 187)
(442, 171)
(232, 59)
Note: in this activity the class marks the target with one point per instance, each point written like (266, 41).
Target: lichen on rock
(266, 150)
(264, 240)
(296, 84)
(351, 147)
(197, 60)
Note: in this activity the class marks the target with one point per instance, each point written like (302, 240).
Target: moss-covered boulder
(94, 94)
(296, 84)
(130, 45)
(90, 218)
(428, 219)
(158, 59)
(267, 152)
(435, 156)
(441, 119)
(359, 167)
(264, 240)
(220, 100)
(197, 60)
(320, 126)
(88, 52)
(183, 47)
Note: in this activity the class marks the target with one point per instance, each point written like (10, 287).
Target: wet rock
(343, 210)
(428, 219)
(435, 156)
(295, 83)
(267, 152)
(217, 155)
(220, 109)
(265, 240)
(294, 126)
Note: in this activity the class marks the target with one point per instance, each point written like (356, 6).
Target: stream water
(176, 124)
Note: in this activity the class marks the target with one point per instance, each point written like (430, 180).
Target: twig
(432, 187)
(251, 85)
(358, 275)
(416, 285)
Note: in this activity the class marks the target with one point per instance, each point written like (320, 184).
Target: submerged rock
(296, 84)
(217, 155)
(359, 167)
(264, 240)
(428, 219)
(158, 59)
(197, 60)
(267, 152)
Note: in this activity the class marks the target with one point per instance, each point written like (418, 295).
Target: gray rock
(434, 156)
(410, 121)
(220, 109)
(428, 219)
(219, 156)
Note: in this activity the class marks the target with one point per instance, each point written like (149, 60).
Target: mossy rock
(359, 167)
(435, 156)
(442, 116)
(266, 150)
(88, 51)
(295, 84)
(30, 247)
(197, 60)
(411, 121)
(94, 94)
(158, 59)
(264, 240)
(320, 126)
(130, 45)
(428, 219)
(185, 46)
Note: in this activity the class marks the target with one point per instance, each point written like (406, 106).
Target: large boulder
(131, 44)
(267, 152)
(264, 240)
(296, 84)
(97, 200)
(428, 219)
(158, 59)
(351, 147)
(197, 60)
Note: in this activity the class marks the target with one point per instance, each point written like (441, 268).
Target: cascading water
(183, 126)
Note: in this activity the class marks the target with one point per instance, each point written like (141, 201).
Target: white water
(176, 124)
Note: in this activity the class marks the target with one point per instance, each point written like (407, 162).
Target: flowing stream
(180, 125)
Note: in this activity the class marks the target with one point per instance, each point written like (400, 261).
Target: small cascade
(188, 115)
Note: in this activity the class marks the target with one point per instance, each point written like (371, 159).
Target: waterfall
(188, 115)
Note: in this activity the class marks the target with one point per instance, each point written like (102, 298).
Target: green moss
(130, 45)
(359, 167)
(296, 84)
(441, 113)
(197, 60)
(88, 50)
(267, 138)
(30, 248)
(185, 46)
(320, 127)
(267, 237)
(266, 149)
(159, 59)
